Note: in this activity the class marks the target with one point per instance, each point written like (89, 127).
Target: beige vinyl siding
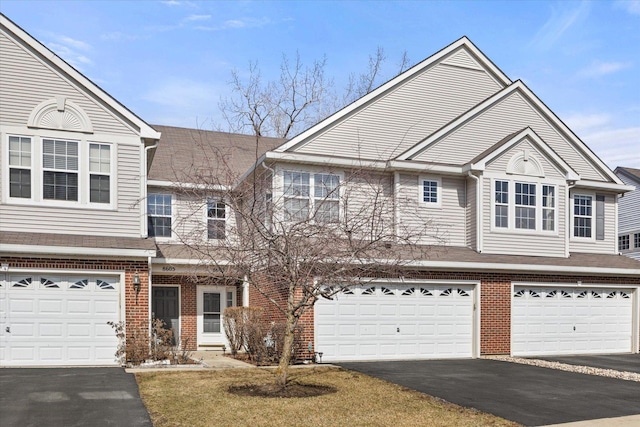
(472, 214)
(462, 58)
(522, 243)
(124, 221)
(407, 114)
(500, 164)
(445, 225)
(27, 81)
(512, 114)
(606, 246)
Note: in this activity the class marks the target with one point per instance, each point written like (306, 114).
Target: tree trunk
(282, 374)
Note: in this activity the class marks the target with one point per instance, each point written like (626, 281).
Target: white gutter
(187, 261)
(488, 266)
(568, 222)
(65, 250)
(171, 184)
(396, 209)
(620, 188)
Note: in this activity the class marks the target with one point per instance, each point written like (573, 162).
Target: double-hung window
(300, 201)
(20, 167)
(430, 192)
(636, 240)
(623, 242)
(159, 215)
(60, 169)
(582, 216)
(524, 206)
(99, 173)
(326, 197)
(501, 214)
(216, 219)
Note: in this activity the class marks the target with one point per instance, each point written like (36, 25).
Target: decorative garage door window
(577, 294)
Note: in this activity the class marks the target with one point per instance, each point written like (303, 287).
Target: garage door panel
(570, 321)
(399, 322)
(60, 320)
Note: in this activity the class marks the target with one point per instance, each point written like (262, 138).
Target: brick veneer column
(495, 317)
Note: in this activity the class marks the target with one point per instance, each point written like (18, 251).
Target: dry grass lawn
(200, 398)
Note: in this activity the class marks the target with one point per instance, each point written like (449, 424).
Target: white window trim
(280, 190)
(438, 181)
(111, 173)
(173, 216)
(37, 173)
(573, 237)
(7, 178)
(511, 229)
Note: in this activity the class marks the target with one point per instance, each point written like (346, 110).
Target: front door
(212, 300)
(165, 306)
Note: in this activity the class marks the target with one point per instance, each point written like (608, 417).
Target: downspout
(567, 220)
(149, 296)
(245, 292)
(145, 179)
(478, 212)
(396, 209)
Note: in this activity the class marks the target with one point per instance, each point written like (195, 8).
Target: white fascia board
(599, 185)
(146, 131)
(411, 166)
(171, 184)
(487, 266)
(433, 59)
(570, 174)
(67, 250)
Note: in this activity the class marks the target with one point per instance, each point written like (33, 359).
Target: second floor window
(20, 167)
(60, 169)
(582, 216)
(159, 215)
(636, 240)
(216, 219)
(99, 173)
(623, 242)
(524, 206)
(300, 201)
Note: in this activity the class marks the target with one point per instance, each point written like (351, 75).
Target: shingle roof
(630, 171)
(183, 153)
(76, 241)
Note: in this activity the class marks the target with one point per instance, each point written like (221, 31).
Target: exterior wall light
(136, 283)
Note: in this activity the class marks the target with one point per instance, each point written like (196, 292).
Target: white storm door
(388, 321)
(562, 320)
(212, 300)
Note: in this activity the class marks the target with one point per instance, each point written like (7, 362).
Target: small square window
(623, 242)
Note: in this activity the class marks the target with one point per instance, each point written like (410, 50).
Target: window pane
(20, 183)
(328, 211)
(296, 183)
(216, 229)
(296, 209)
(60, 186)
(430, 191)
(211, 302)
(99, 191)
(525, 218)
(211, 323)
(326, 186)
(502, 216)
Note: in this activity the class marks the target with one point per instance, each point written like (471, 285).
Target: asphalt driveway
(70, 397)
(529, 395)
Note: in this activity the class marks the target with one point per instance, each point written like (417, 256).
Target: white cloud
(184, 94)
(238, 24)
(118, 36)
(631, 6)
(197, 18)
(70, 55)
(598, 69)
(616, 146)
(562, 18)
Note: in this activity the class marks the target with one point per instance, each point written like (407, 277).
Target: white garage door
(396, 322)
(53, 320)
(548, 321)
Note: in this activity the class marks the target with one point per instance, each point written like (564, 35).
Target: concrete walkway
(630, 421)
(217, 360)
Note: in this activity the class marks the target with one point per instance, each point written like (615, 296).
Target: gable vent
(525, 164)
(462, 59)
(60, 114)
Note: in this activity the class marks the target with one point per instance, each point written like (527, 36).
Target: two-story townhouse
(101, 219)
(524, 260)
(629, 214)
(73, 247)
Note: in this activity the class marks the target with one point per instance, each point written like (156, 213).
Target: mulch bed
(274, 390)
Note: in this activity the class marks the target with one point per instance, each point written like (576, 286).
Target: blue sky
(170, 61)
